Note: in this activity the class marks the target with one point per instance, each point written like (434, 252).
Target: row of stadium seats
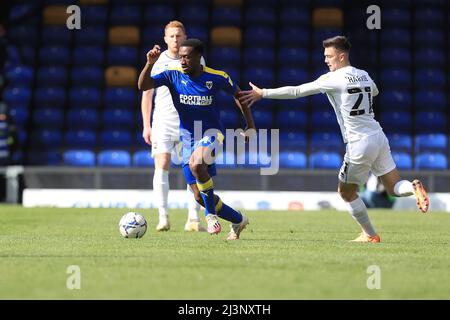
(287, 159)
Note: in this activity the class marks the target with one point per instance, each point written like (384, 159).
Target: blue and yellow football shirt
(194, 97)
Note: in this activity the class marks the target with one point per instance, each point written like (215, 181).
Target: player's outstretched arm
(250, 129)
(145, 82)
(249, 97)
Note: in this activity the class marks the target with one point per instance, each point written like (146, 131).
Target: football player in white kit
(350, 92)
(164, 136)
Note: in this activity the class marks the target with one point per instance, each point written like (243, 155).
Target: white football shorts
(165, 137)
(370, 154)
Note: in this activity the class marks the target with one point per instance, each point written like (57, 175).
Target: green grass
(282, 255)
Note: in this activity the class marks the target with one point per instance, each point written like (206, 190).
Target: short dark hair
(196, 44)
(339, 42)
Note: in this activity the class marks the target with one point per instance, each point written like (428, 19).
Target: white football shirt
(163, 105)
(350, 92)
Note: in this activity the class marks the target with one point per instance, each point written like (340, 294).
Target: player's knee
(348, 195)
(196, 168)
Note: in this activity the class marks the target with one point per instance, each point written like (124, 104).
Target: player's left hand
(249, 97)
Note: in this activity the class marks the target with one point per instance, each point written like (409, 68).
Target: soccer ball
(132, 225)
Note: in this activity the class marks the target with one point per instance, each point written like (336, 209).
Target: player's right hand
(147, 135)
(153, 54)
(248, 98)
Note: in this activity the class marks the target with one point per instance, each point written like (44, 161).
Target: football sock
(358, 210)
(193, 206)
(207, 193)
(226, 212)
(161, 191)
(403, 188)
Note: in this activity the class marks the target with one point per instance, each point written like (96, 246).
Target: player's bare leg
(395, 186)
(358, 211)
(161, 189)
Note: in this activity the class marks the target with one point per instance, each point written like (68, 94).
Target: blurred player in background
(164, 136)
(194, 88)
(350, 92)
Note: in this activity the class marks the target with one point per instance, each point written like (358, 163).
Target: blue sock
(228, 213)
(207, 193)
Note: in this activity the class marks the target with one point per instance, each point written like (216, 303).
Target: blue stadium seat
(79, 158)
(80, 139)
(143, 158)
(194, 14)
(320, 101)
(54, 55)
(297, 104)
(429, 16)
(87, 76)
(428, 57)
(396, 17)
(82, 118)
(431, 142)
(48, 117)
(91, 36)
(426, 100)
(56, 35)
(395, 100)
(259, 56)
(259, 15)
(430, 161)
(291, 119)
(432, 38)
(396, 78)
(117, 118)
(294, 15)
(224, 56)
(24, 34)
(430, 122)
(229, 118)
(159, 14)
(400, 142)
(226, 16)
(52, 76)
(233, 72)
(199, 32)
(226, 159)
(19, 75)
(139, 141)
(21, 9)
(119, 97)
(396, 121)
(325, 160)
(113, 158)
(263, 118)
(300, 34)
(260, 76)
(88, 56)
(46, 139)
(44, 158)
(84, 97)
(19, 114)
(23, 55)
(320, 34)
(291, 76)
(94, 15)
(292, 159)
(293, 56)
(259, 36)
(122, 56)
(293, 140)
(125, 15)
(50, 96)
(395, 37)
(326, 141)
(15, 95)
(324, 120)
(115, 139)
(430, 78)
(225, 100)
(395, 57)
(403, 160)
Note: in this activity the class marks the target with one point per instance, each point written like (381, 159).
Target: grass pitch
(281, 255)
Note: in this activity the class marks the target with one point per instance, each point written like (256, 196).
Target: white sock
(403, 188)
(161, 191)
(358, 210)
(193, 206)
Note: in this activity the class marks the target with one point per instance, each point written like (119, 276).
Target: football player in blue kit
(193, 88)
